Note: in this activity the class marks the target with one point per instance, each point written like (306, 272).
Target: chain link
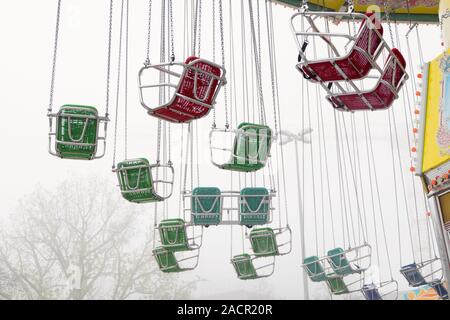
(116, 121)
(55, 54)
(108, 72)
(147, 60)
(126, 76)
(172, 46)
(222, 45)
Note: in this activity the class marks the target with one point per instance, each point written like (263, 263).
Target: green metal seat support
(251, 148)
(206, 206)
(136, 181)
(254, 206)
(77, 133)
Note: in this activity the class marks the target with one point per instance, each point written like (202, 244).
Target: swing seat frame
(246, 268)
(354, 64)
(344, 265)
(414, 275)
(232, 203)
(192, 96)
(317, 271)
(343, 92)
(78, 133)
(137, 184)
(251, 147)
(266, 241)
(379, 291)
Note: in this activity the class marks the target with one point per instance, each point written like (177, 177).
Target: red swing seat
(384, 93)
(195, 94)
(356, 64)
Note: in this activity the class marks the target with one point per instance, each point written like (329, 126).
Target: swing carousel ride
(354, 58)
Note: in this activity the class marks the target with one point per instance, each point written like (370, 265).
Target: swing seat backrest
(370, 292)
(244, 267)
(254, 206)
(166, 260)
(195, 94)
(264, 242)
(339, 262)
(384, 93)
(413, 275)
(136, 181)
(206, 204)
(356, 64)
(173, 235)
(251, 148)
(77, 132)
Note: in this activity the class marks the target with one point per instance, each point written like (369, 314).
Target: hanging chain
(222, 46)
(387, 13)
(118, 87)
(147, 60)
(108, 72)
(350, 6)
(199, 31)
(258, 64)
(162, 76)
(55, 53)
(214, 50)
(172, 46)
(304, 6)
(126, 76)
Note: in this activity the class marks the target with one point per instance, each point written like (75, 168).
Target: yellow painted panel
(330, 4)
(436, 148)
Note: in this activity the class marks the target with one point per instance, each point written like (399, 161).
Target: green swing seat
(173, 235)
(316, 273)
(254, 206)
(166, 260)
(251, 148)
(77, 132)
(244, 267)
(135, 180)
(264, 242)
(340, 263)
(206, 204)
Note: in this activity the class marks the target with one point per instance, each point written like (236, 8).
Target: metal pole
(302, 224)
(442, 238)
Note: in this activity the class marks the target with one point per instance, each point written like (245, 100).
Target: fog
(27, 32)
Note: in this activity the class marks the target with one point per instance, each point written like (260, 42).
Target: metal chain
(118, 87)
(147, 60)
(194, 29)
(172, 46)
(304, 6)
(214, 50)
(258, 64)
(55, 53)
(126, 76)
(388, 20)
(108, 73)
(199, 33)
(161, 78)
(222, 45)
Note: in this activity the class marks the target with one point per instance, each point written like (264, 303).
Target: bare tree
(82, 241)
